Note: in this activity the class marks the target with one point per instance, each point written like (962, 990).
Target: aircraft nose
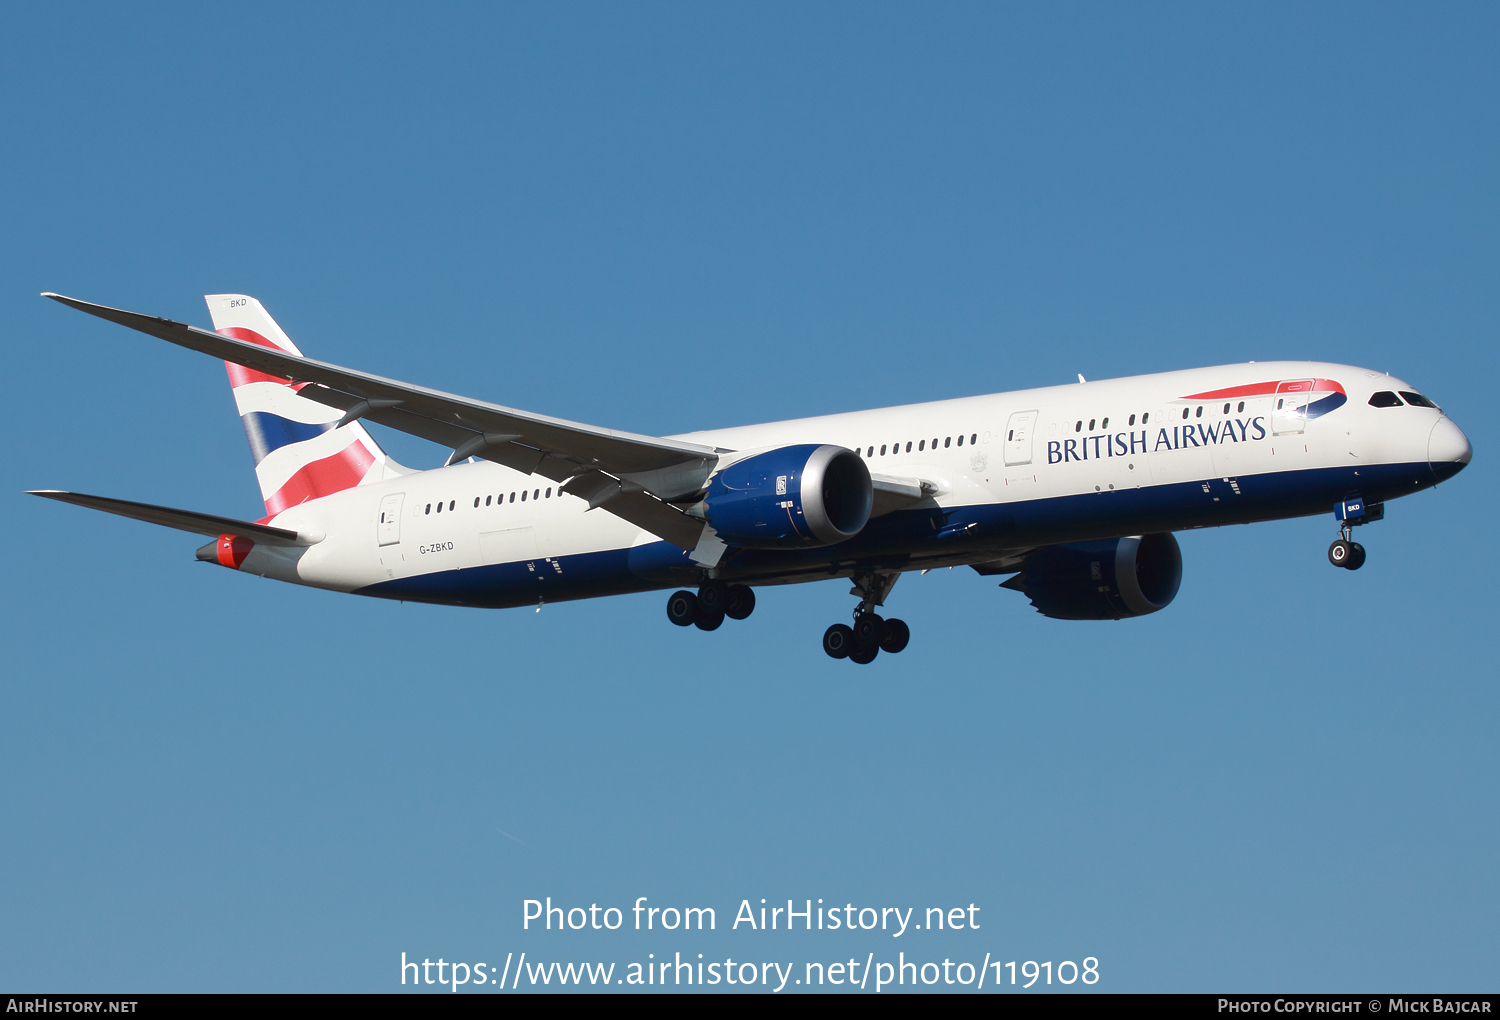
(1448, 449)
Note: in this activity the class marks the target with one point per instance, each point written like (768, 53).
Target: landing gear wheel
(867, 629)
(739, 602)
(711, 597)
(837, 640)
(1341, 552)
(894, 636)
(682, 608)
(709, 620)
(1356, 556)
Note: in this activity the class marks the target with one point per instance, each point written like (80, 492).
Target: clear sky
(670, 217)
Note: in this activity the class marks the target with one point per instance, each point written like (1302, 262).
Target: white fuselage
(1029, 467)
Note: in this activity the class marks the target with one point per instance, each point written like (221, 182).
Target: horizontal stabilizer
(182, 520)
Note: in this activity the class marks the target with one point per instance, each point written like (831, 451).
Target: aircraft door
(388, 531)
(1289, 411)
(1018, 432)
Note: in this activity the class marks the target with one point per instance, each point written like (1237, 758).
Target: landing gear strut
(870, 633)
(714, 601)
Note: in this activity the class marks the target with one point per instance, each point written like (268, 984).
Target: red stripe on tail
(344, 470)
(239, 375)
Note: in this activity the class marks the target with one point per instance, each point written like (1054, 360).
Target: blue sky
(670, 217)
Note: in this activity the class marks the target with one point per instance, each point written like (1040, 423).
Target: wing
(634, 477)
(182, 520)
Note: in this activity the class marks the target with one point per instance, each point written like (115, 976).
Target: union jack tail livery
(299, 452)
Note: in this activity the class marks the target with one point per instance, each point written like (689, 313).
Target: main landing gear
(870, 634)
(714, 601)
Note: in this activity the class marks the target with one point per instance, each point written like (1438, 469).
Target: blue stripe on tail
(267, 432)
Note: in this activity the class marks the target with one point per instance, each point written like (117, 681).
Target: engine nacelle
(1106, 580)
(793, 496)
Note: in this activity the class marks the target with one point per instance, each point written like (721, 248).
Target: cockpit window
(1416, 399)
(1385, 398)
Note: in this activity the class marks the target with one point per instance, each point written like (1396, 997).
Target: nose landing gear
(1351, 512)
(871, 634)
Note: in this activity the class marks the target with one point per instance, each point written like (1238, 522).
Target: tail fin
(299, 453)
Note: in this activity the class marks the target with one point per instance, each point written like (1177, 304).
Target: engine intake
(792, 496)
(1105, 580)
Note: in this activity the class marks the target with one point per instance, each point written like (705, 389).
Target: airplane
(1072, 491)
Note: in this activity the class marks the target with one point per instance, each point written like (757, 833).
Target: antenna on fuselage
(1081, 378)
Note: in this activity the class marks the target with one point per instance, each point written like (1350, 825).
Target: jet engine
(1105, 580)
(793, 496)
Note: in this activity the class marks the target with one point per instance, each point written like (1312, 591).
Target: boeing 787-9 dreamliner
(1072, 491)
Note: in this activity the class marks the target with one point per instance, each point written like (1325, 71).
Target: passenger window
(1200, 410)
(1091, 424)
(1242, 407)
(476, 500)
(1385, 398)
(1010, 435)
(549, 492)
(429, 509)
(908, 447)
(1417, 400)
(450, 504)
(1226, 408)
(895, 449)
(1078, 426)
(882, 449)
(536, 494)
(934, 442)
(440, 507)
(947, 442)
(870, 452)
(1278, 407)
(974, 439)
(1185, 412)
(487, 500)
(1104, 424)
(922, 446)
(960, 440)
(523, 495)
(1132, 419)
(1145, 417)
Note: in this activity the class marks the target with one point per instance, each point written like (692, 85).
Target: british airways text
(1123, 444)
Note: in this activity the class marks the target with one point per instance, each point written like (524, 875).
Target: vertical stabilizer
(299, 453)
